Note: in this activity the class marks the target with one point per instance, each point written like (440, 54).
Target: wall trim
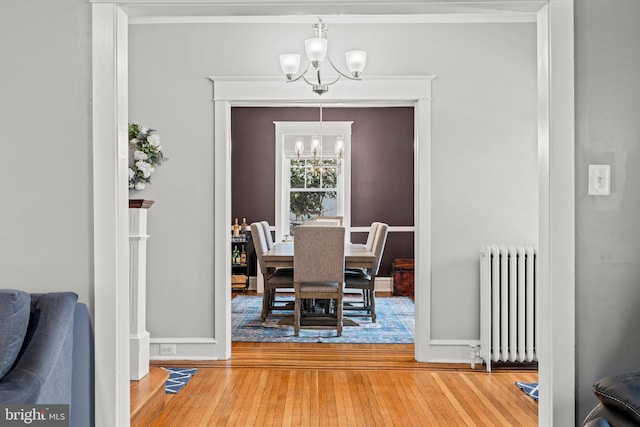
(239, 91)
(453, 351)
(392, 229)
(448, 18)
(186, 349)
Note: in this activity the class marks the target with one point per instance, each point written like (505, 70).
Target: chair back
(267, 234)
(378, 245)
(318, 254)
(372, 235)
(260, 243)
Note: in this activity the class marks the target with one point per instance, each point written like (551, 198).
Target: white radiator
(508, 304)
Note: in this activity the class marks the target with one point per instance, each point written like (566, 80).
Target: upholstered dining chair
(365, 279)
(273, 279)
(369, 245)
(267, 234)
(372, 235)
(318, 273)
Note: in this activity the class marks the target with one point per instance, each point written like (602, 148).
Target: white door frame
(414, 91)
(110, 193)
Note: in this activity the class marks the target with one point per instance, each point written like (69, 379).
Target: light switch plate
(599, 180)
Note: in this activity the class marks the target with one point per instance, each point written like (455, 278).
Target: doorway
(414, 91)
(377, 176)
(110, 204)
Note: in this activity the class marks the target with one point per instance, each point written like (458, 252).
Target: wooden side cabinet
(402, 272)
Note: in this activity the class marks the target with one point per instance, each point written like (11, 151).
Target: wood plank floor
(267, 384)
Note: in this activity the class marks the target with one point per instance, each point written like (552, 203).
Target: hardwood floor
(266, 384)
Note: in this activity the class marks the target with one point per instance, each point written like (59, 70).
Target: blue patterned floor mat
(395, 324)
(178, 377)
(530, 388)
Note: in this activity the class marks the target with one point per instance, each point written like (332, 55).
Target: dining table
(356, 255)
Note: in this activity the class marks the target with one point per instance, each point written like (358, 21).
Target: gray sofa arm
(42, 372)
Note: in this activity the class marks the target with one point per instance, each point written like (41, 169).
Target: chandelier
(316, 49)
(316, 150)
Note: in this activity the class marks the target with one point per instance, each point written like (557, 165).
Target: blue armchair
(46, 352)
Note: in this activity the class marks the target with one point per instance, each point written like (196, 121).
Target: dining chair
(365, 279)
(369, 245)
(318, 274)
(267, 234)
(372, 235)
(273, 279)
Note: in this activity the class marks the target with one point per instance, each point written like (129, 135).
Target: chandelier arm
(337, 78)
(319, 78)
(305, 79)
(301, 74)
(340, 72)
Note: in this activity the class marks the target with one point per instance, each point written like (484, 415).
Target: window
(308, 186)
(313, 190)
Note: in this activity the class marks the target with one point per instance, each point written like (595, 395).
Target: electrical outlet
(167, 349)
(599, 180)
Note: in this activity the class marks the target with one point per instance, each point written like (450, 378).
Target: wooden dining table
(356, 255)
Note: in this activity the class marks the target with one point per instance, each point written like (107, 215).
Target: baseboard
(453, 351)
(183, 349)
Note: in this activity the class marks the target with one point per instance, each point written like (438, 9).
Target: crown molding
(444, 18)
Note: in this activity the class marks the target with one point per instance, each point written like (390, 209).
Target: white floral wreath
(144, 155)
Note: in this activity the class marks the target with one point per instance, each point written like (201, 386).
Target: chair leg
(296, 311)
(266, 296)
(339, 316)
(372, 305)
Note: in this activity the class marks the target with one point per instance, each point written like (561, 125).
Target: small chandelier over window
(317, 143)
(316, 49)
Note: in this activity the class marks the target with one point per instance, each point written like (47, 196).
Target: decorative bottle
(236, 229)
(243, 227)
(243, 256)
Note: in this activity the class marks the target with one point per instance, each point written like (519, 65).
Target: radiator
(508, 304)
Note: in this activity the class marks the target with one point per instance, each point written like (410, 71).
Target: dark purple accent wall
(381, 167)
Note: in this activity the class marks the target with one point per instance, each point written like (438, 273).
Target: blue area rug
(178, 377)
(395, 324)
(530, 388)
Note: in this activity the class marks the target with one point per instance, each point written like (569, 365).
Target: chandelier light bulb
(356, 61)
(299, 148)
(290, 64)
(315, 146)
(316, 49)
(339, 147)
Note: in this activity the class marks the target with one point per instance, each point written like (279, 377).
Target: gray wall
(484, 147)
(607, 228)
(45, 137)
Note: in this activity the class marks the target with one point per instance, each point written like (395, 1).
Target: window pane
(329, 177)
(313, 176)
(305, 173)
(298, 172)
(306, 205)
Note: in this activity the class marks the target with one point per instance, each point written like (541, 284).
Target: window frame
(283, 168)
